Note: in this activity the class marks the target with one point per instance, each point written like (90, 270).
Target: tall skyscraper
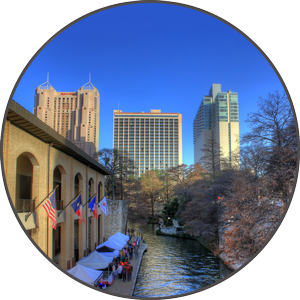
(153, 140)
(217, 120)
(74, 115)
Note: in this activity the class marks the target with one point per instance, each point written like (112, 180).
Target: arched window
(57, 182)
(24, 182)
(77, 189)
(91, 187)
(100, 191)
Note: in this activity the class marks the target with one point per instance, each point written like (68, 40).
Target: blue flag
(93, 207)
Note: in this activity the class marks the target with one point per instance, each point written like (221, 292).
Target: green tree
(170, 208)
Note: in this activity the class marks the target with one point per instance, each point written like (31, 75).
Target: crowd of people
(121, 266)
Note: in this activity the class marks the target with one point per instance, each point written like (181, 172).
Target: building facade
(217, 123)
(74, 115)
(33, 168)
(152, 140)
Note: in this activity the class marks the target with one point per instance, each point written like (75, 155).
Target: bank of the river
(209, 245)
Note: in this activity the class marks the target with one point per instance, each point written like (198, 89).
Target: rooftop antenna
(46, 85)
(89, 85)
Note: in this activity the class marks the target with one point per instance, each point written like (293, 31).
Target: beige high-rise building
(74, 115)
(153, 140)
(217, 120)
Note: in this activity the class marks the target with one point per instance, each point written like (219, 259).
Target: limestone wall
(116, 220)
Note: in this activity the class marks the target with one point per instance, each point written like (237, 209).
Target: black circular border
(137, 3)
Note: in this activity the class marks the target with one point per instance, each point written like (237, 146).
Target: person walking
(126, 255)
(136, 252)
(127, 270)
(119, 270)
(124, 273)
(122, 256)
(130, 269)
(113, 271)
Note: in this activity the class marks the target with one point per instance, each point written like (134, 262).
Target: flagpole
(86, 215)
(101, 199)
(69, 203)
(26, 217)
(48, 188)
(88, 200)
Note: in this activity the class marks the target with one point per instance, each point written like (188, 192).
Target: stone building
(36, 159)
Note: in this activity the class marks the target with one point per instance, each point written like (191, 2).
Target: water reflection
(173, 266)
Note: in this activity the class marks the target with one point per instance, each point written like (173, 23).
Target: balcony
(24, 205)
(23, 208)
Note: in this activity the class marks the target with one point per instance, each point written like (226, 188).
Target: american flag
(50, 208)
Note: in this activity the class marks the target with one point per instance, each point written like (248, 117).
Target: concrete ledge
(142, 249)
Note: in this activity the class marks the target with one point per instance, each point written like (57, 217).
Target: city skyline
(166, 65)
(280, 25)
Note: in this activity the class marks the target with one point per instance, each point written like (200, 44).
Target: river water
(173, 266)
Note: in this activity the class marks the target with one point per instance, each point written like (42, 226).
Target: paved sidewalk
(120, 288)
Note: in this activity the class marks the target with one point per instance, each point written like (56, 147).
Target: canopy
(119, 237)
(117, 245)
(105, 249)
(110, 252)
(95, 261)
(85, 274)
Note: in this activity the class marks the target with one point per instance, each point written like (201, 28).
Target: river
(174, 266)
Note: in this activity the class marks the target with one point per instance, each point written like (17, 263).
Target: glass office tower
(217, 119)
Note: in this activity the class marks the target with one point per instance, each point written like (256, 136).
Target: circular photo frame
(153, 73)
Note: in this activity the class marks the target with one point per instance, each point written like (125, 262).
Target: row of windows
(146, 123)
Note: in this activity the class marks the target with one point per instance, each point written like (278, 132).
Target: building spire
(89, 85)
(46, 85)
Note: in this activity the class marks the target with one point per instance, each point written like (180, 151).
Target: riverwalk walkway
(120, 288)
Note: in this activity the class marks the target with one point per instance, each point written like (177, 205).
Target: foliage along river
(172, 266)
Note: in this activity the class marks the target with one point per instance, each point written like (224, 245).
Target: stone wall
(169, 230)
(116, 220)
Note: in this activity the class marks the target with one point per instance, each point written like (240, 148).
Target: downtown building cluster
(152, 140)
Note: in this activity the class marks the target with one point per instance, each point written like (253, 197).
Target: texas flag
(103, 206)
(77, 207)
(93, 207)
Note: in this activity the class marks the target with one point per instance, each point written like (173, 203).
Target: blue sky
(152, 56)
